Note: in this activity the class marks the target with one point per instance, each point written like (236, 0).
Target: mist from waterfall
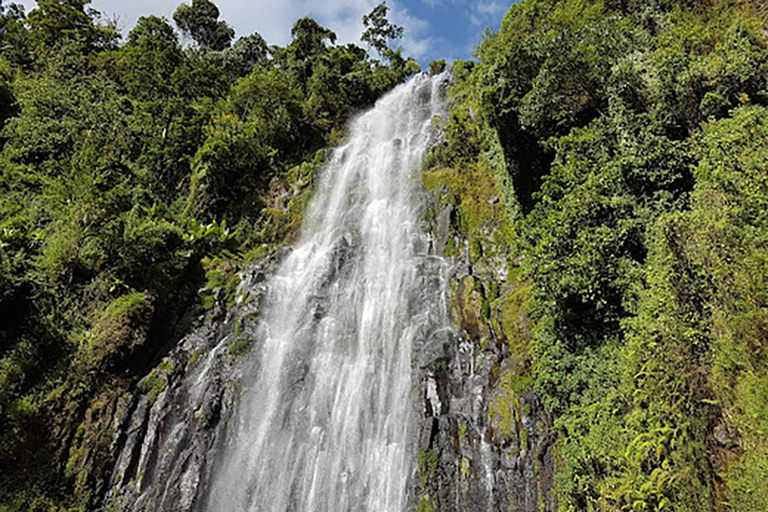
(328, 405)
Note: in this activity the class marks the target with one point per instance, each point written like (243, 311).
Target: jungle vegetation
(635, 146)
(134, 170)
(633, 138)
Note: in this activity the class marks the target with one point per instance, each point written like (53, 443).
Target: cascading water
(326, 415)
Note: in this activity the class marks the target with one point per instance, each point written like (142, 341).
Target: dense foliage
(634, 134)
(128, 171)
(613, 153)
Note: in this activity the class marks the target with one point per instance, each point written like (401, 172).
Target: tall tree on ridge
(379, 32)
(200, 21)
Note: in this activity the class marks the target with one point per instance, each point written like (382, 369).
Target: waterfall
(328, 404)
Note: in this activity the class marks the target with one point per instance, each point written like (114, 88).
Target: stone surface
(168, 430)
(165, 445)
(484, 443)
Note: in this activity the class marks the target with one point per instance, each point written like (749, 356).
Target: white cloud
(485, 13)
(273, 19)
(417, 41)
(492, 9)
(345, 18)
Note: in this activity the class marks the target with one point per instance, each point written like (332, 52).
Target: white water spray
(325, 422)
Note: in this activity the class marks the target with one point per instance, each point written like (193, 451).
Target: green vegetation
(239, 347)
(603, 171)
(428, 466)
(628, 142)
(134, 173)
(156, 382)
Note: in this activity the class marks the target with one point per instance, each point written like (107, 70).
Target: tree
(201, 22)
(56, 21)
(14, 36)
(309, 38)
(118, 164)
(152, 54)
(248, 52)
(379, 31)
(304, 52)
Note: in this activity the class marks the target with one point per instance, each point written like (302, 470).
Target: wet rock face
(171, 426)
(467, 463)
(485, 440)
(482, 446)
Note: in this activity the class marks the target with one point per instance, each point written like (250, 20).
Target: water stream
(327, 411)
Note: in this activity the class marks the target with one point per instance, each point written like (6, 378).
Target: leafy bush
(634, 142)
(122, 168)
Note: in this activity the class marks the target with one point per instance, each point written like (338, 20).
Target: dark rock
(166, 441)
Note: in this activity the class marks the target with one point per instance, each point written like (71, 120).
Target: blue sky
(434, 29)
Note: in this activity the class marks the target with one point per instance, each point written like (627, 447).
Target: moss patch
(239, 347)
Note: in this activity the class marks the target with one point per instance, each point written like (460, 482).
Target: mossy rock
(239, 347)
(118, 330)
(470, 309)
(426, 505)
(157, 380)
(506, 411)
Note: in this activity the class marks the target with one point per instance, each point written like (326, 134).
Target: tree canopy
(631, 141)
(200, 21)
(379, 32)
(128, 173)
